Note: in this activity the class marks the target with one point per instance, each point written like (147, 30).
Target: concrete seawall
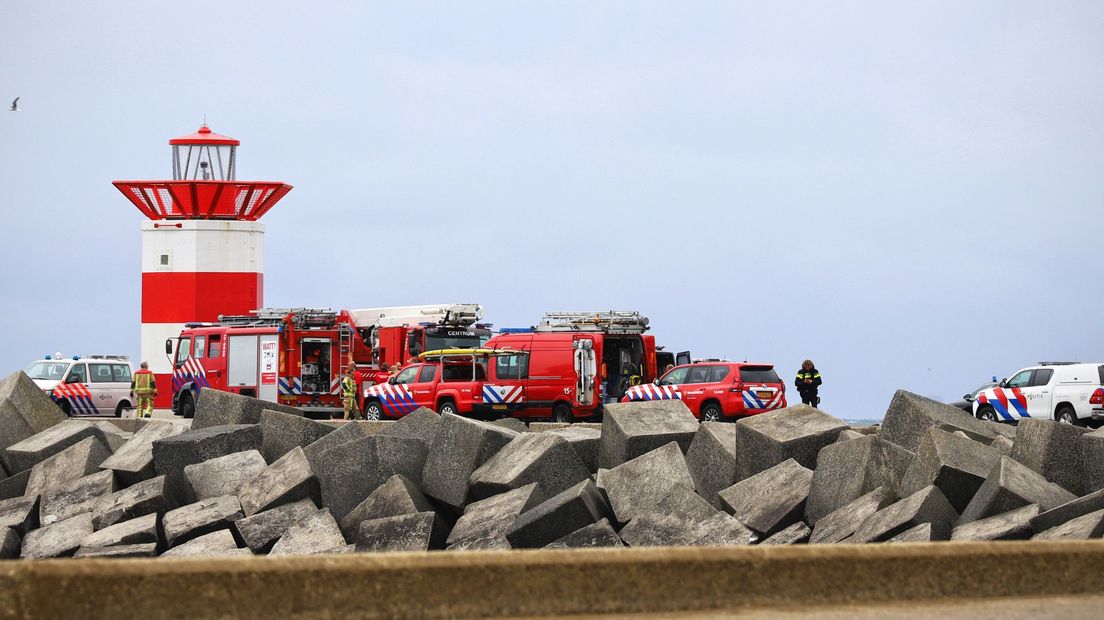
(519, 583)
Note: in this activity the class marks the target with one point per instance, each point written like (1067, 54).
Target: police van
(85, 386)
(1068, 392)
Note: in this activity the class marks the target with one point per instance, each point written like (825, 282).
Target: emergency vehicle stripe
(490, 394)
(1019, 401)
(752, 400)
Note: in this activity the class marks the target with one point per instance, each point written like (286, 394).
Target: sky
(908, 193)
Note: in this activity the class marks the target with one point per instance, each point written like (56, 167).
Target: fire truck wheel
(711, 412)
(372, 410)
(187, 405)
(122, 406)
(987, 413)
(562, 413)
(447, 406)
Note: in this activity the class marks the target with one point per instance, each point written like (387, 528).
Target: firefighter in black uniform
(808, 382)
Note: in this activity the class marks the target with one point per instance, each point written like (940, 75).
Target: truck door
(586, 369)
(269, 356)
(424, 387)
(1039, 394)
(241, 364)
(315, 372)
(1011, 401)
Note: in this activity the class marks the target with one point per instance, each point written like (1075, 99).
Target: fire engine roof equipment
(463, 315)
(610, 322)
(441, 353)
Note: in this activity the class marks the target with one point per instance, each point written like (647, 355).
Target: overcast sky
(910, 194)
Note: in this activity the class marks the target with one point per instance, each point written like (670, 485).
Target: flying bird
(15, 105)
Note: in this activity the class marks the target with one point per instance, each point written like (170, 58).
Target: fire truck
(294, 356)
(578, 361)
(398, 334)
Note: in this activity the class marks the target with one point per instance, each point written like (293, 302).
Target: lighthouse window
(164, 259)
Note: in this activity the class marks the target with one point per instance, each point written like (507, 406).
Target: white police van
(1068, 392)
(85, 386)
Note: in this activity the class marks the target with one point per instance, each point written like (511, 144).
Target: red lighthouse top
(204, 184)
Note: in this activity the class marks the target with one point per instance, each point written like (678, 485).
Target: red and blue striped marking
(396, 400)
(78, 396)
(1002, 404)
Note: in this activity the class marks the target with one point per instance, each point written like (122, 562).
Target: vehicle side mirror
(73, 380)
(1003, 383)
(968, 398)
(168, 346)
(392, 380)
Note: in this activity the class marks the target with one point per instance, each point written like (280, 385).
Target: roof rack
(610, 322)
(459, 315)
(121, 358)
(300, 317)
(1057, 363)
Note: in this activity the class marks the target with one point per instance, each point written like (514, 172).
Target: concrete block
(69, 499)
(793, 535)
(223, 475)
(600, 534)
(925, 506)
(344, 434)
(412, 532)
(513, 424)
(638, 484)
(14, 485)
(910, 416)
(10, 543)
(584, 440)
(1003, 445)
(925, 532)
(1012, 525)
(24, 411)
(218, 408)
(559, 516)
(460, 446)
(194, 520)
(146, 497)
(280, 432)
(712, 460)
(58, 540)
(41, 446)
(1092, 461)
(770, 500)
(19, 513)
(543, 458)
(485, 523)
(260, 531)
(1082, 528)
(217, 543)
(684, 518)
(848, 470)
(632, 429)
(1071, 510)
(839, 524)
(348, 473)
(76, 461)
(172, 454)
(350, 548)
(1009, 486)
(288, 480)
(419, 424)
(140, 530)
(133, 461)
(767, 439)
(850, 434)
(318, 533)
(954, 463)
(1052, 449)
(397, 496)
(137, 550)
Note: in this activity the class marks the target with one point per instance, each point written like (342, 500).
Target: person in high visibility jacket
(808, 382)
(143, 386)
(348, 392)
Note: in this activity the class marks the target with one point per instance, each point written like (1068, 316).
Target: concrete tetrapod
(954, 463)
(260, 531)
(140, 530)
(600, 534)
(133, 462)
(459, 447)
(397, 496)
(558, 516)
(348, 473)
(767, 439)
(1052, 449)
(420, 531)
(1082, 528)
(925, 506)
(484, 523)
(223, 475)
(146, 497)
(57, 540)
(1009, 486)
(218, 408)
(288, 480)
(280, 432)
(640, 483)
(24, 411)
(1070, 510)
(41, 446)
(848, 470)
(76, 461)
(712, 460)
(1012, 525)
(843, 522)
(71, 498)
(684, 518)
(194, 520)
(318, 533)
(632, 429)
(770, 500)
(1092, 460)
(543, 458)
(910, 416)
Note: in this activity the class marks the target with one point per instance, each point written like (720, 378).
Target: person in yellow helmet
(348, 392)
(143, 387)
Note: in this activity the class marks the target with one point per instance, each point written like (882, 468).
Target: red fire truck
(397, 334)
(292, 356)
(578, 361)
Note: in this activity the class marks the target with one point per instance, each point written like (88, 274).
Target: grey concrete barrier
(527, 583)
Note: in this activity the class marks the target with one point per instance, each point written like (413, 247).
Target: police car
(85, 386)
(1068, 392)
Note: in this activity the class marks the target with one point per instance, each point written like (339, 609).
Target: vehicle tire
(187, 405)
(1067, 415)
(987, 414)
(562, 413)
(373, 410)
(121, 407)
(711, 412)
(447, 406)
(65, 407)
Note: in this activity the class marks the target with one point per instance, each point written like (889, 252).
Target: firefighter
(348, 392)
(144, 385)
(808, 382)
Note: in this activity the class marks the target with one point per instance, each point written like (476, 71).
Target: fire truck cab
(455, 381)
(578, 361)
(292, 356)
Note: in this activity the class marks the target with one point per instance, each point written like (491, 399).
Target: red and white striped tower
(202, 247)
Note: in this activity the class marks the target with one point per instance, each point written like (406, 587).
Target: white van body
(85, 386)
(1067, 392)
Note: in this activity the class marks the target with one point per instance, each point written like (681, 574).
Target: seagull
(15, 105)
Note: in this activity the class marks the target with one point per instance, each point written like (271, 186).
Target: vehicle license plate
(765, 394)
(498, 406)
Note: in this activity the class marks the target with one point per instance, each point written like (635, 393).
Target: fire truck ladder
(345, 346)
(611, 322)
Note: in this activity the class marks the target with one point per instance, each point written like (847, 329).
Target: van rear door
(586, 369)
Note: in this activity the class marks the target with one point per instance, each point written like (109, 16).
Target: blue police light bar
(515, 330)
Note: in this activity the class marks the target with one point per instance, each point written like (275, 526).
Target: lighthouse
(202, 243)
